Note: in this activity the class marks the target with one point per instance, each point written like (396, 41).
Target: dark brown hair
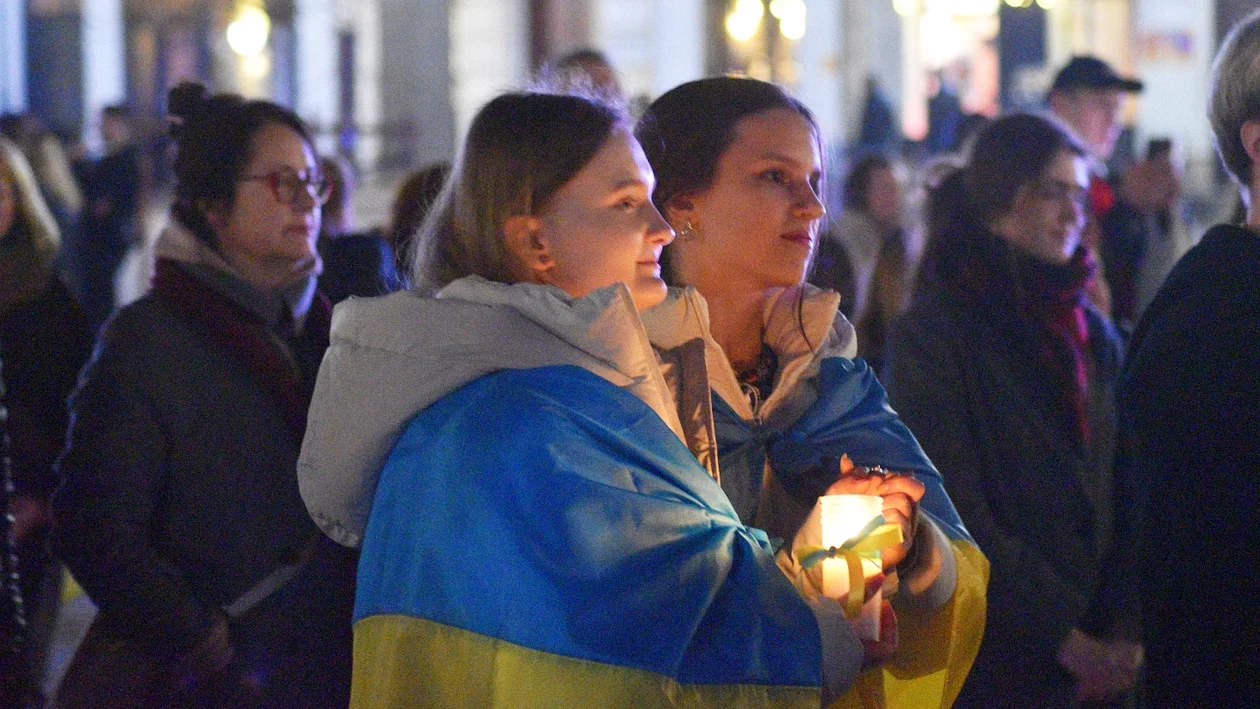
(213, 136)
(685, 132)
(412, 201)
(857, 183)
(1007, 154)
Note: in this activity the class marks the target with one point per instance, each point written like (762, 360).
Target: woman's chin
(648, 292)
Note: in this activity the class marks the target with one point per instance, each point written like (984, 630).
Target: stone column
(368, 89)
(318, 75)
(822, 86)
(489, 53)
(418, 123)
(681, 38)
(12, 55)
(104, 73)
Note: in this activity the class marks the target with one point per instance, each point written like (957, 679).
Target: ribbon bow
(876, 535)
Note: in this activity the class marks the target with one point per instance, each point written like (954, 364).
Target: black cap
(1092, 73)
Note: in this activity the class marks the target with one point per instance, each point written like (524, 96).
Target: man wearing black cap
(1086, 95)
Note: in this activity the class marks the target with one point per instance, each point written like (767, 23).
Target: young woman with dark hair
(179, 511)
(531, 480)
(1007, 376)
(739, 167)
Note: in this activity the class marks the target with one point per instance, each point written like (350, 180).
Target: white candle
(843, 517)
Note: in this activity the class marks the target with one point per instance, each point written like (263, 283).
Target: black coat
(12, 619)
(1192, 390)
(357, 265)
(180, 493)
(1042, 507)
(46, 342)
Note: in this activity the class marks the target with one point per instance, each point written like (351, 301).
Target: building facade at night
(391, 82)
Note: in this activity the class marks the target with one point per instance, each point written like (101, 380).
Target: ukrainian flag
(540, 538)
(851, 416)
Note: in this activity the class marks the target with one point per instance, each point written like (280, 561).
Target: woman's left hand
(901, 494)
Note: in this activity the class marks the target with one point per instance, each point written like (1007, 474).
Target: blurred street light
(744, 20)
(248, 31)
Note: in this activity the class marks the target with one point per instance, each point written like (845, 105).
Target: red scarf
(1049, 304)
(247, 339)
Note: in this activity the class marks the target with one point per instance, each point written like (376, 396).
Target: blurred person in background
(945, 114)
(584, 70)
(1087, 94)
(870, 230)
(179, 511)
(355, 263)
(110, 225)
(739, 175)
(415, 195)
(46, 341)
(57, 183)
(1192, 391)
(879, 134)
(1007, 374)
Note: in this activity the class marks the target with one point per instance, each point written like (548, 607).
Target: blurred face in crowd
(1094, 114)
(883, 197)
(600, 228)
(8, 201)
(1048, 214)
(757, 224)
(269, 230)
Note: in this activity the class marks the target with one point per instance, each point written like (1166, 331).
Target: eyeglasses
(1062, 193)
(288, 186)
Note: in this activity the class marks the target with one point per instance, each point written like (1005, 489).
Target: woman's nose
(659, 230)
(809, 204)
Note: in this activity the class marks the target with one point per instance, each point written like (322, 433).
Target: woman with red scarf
(1006, 374)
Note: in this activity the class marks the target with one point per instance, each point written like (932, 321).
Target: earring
(687, 232)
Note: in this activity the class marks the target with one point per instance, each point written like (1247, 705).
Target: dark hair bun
(183, 102)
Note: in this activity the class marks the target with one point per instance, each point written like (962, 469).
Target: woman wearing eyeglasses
(1007, 376)
(180, 513)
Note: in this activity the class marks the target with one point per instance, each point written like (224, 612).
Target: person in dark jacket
(46, 341)
(355, 263)
(179, 511)
(111, 217)
(1006, 375)
(1192, 391)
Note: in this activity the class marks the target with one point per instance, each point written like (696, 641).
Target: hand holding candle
(900, 494)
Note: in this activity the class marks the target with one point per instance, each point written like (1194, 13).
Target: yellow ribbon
(867, 543)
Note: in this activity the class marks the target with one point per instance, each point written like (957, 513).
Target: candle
(844, 517)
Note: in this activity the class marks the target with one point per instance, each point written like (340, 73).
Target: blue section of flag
(549, 508)
(851, 415)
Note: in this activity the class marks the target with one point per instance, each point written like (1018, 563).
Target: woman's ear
(1250, 135)
(522, 234)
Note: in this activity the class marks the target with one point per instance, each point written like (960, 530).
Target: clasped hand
(901, 494)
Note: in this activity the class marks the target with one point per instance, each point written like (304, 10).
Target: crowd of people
(566, 437)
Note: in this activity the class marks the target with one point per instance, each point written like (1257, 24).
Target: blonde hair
(33, 221)
(521, 149)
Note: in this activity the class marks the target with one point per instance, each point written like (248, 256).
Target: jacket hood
(391, 357)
